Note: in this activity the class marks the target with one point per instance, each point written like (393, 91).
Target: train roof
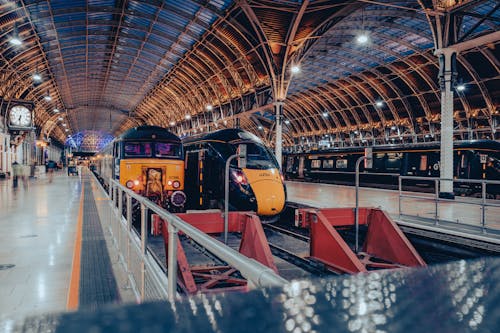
(225, 135)
(148, 133)
(470, 144)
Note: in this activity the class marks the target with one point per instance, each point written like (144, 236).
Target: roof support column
(278, 106)
(447, 75)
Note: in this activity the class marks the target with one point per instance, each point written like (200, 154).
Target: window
(328, 164)
(315, 164)
(137, 149)
(163, 149)
(341, 164)
(423, 163)
(289, 164)
(258, 156)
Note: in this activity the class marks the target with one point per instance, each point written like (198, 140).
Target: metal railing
(145, 275)
(482, 203)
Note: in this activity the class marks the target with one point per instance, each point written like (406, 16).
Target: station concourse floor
(39, 224)
(43, 225)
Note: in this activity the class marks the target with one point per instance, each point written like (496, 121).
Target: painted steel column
(446, 157)
(279, 130)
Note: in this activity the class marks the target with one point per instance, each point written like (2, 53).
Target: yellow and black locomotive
(258, 186)
(148, 160)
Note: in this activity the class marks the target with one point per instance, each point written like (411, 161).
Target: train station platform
(46, 225)
(461, 217)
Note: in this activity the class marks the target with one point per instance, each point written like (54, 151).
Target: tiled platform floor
(38, 235)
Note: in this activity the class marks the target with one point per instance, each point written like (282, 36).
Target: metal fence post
(436, 201)
(129, 228)
(400, 187)
(144, 243)
(172, 262)
(356, 212)
(483, 203)
(226, 197)
(120, 214)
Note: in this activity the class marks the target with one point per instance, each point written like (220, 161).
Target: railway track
(287, 232)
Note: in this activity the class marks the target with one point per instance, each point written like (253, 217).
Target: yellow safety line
(74, 285)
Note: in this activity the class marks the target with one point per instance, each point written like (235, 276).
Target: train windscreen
(168, 150)
(147, 149)
(258, 156)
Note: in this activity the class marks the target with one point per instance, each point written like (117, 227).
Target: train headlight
(178, 198)
(136, 182)
(169, 183)
(176, 184)
(129, 184)
(239, 177)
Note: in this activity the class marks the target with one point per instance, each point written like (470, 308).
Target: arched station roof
(198, 65)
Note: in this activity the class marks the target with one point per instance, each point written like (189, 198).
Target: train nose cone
(268, 190)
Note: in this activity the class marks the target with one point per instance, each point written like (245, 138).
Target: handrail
(252, 270)
(437, 199)
(458, 180)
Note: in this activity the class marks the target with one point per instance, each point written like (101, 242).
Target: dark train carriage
(472, 160)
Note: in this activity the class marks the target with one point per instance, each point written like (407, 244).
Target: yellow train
(148, 160)
(257, 187)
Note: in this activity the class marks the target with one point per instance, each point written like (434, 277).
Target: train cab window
(423, 163)
(169, 150)
(259, 157)
(137, 149)
(315, 164)
(341, 164)
(289, 164)
(328, 164)
(463, 161)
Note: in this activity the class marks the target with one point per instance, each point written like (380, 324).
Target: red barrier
(385, 245)
(328, 246)
(254, 242)
(386, 241)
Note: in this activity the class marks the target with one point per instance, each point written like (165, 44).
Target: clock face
(20, 116)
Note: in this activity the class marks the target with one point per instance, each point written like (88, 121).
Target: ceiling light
(209, 107)
(461, 87)
(325, 114)
(37, 77)
(60, 118)
(56, 110)
(172, 123)
(362, 39)
(379, 104)
(15, 39)
(393, 128)
(64, 125)
(67, 130)
(287, 121)
(188, 116)
(260, 127)
(225, 122)
(295, 69)
(47, 96)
